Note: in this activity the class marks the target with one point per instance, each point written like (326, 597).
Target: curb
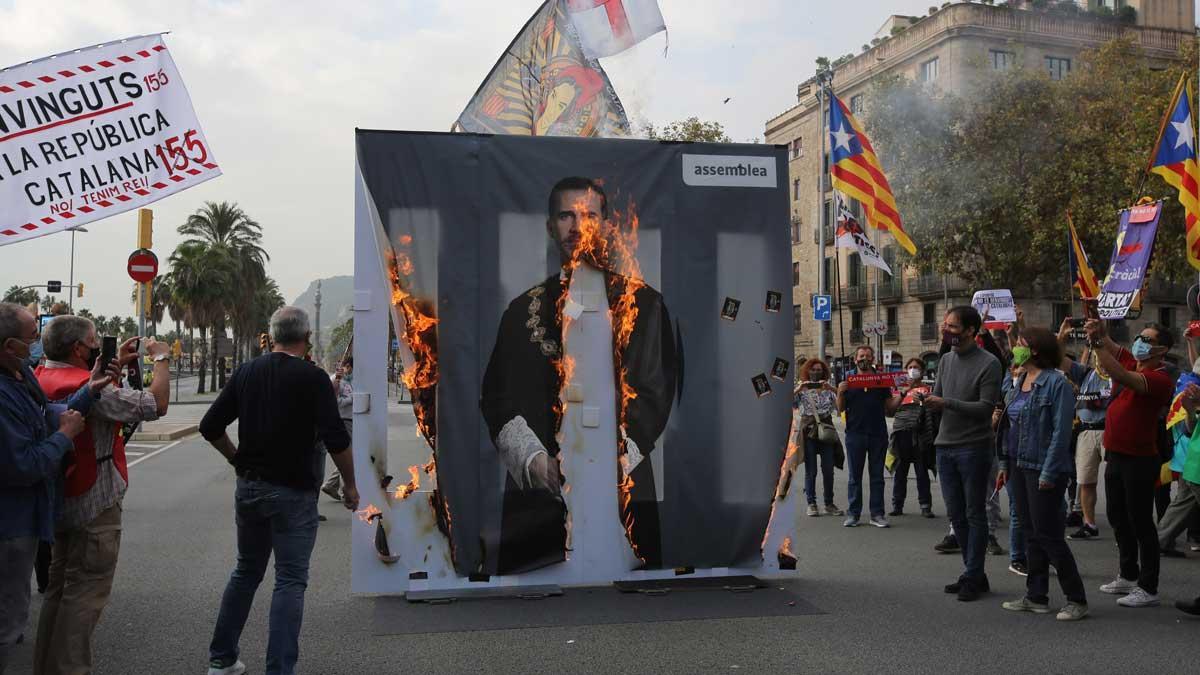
(172, 433)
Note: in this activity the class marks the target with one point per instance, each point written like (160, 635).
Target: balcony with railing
(892, 336)
(1160, 290)
(858, 294)
(930, 332)
(891, 289)
(933, 285)
(829, 232)
(857, 336)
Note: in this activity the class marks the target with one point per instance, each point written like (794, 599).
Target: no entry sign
(143, 265)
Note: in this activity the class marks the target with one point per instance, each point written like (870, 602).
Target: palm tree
(226, 232)
(200, 278)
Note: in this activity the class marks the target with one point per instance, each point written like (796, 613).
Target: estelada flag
(856, 171)
(1176, 413)
(1081, 271)
(544, 85)
(1174, 159)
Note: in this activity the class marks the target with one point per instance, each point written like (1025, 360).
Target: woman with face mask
(913, 431)
(1033, 441)
(817, 400)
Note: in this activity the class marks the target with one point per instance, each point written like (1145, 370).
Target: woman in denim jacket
(1034, 445)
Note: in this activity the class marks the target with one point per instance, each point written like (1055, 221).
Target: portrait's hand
(543, 473)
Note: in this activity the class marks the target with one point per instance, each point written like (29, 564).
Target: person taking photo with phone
(87, 537)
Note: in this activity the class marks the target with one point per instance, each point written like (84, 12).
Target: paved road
(880, 591)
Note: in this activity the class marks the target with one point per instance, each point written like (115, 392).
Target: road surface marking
(160, 450)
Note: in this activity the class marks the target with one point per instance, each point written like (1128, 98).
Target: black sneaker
(1085, 532)
(1074, 519)
(1019, 568)
(947, 545)
(953, 588)
(993, 546)
(896, 512)
(969, 592)
(1172, 553)
(927, 512)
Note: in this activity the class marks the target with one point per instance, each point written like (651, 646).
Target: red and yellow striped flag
(1081, 271)
(856, 171)
(1174, 159)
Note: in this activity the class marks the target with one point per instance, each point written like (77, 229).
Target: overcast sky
(279, 87)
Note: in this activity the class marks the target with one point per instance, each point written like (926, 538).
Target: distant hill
(337, 297)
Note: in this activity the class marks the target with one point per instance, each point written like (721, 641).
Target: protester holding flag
(1184, 510)
(1034, 445)
(1142, 389)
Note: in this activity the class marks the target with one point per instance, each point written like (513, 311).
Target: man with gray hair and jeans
(282, 403)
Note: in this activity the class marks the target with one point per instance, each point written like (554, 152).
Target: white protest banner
(92, 133)
(850, 235)
(998, 305)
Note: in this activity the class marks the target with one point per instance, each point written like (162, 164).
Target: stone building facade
(949, 49)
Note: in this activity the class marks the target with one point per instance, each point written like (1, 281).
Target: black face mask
(93, 355)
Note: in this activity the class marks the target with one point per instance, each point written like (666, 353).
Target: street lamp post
(71, 292)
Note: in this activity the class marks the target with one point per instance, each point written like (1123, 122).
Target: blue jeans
(869, 450)
(1016, 531)
(270, 519)
(963, 473)
(812, 450)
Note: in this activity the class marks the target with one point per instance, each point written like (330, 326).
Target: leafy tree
(23, 298)
(984, 180)
(690, 129)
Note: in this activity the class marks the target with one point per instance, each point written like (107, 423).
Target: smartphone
(108, 350)
(812, 385)
(1091, 308)
(1078, 323)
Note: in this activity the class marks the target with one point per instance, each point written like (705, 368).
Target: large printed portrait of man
(576, 394)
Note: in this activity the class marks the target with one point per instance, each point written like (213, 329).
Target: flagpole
(878, 272)
(822, 282)
(1070, 257)
(837, 272)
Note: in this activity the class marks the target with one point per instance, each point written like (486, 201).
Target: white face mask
(914, 374)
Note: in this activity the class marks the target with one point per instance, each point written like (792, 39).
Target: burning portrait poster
(578, 385)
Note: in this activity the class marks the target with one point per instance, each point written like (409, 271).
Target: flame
(787, 559)
(368, 514)
(413, 485)
(419, 335)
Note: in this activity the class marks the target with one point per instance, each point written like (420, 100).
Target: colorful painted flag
(856, 171)
(544, 85)
(1175, 160)
(608, 27)
(1081, 270)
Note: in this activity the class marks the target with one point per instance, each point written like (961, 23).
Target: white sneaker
(236, 669)
(1119, 586)
(880, 521)
(1138, 598)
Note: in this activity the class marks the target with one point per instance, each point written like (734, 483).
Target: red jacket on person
(81, 476)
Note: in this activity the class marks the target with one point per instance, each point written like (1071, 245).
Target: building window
(1059, 68)
(796, 229)
(889, 257)
(893, 318)
(797, 313)
(797, 148)
(856, 104)
(1166, 317)
(1002, 60)
(830, 218)
(857, 275)
(829, 262)
(827, 185)
(796, 188)
(929, 70)
(795, 274)
(929, 312)
(1061, 311)
(856, 320)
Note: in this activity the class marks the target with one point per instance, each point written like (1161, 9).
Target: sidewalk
(183, 414)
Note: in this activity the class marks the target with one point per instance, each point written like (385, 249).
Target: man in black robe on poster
(521, 398)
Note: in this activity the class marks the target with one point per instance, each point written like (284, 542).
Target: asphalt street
(880, 591)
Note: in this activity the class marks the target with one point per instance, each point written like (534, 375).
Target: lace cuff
(518, 446)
